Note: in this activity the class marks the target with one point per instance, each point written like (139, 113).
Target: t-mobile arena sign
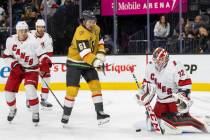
(136, 7)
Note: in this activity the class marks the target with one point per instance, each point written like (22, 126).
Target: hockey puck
(138, 130)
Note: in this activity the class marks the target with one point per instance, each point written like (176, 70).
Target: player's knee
(31, 91)
(31, 82)
(94, 86)
(72, 92)
(10, 96)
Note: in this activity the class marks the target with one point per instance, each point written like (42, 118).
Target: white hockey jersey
(45, 42)
(26, 52)
(169, 80)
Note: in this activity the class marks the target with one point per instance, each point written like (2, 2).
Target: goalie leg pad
(184, 120)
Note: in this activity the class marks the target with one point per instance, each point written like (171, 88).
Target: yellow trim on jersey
(115, 86)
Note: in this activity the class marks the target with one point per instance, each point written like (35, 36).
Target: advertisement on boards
(139, 7)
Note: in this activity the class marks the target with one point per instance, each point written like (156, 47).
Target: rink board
(118, 75)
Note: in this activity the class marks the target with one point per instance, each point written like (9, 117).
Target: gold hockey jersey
(85, 45)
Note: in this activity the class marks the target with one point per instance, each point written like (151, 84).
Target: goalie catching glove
(183, 102)
(146, 93)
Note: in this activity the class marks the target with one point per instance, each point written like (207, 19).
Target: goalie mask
(160, 58)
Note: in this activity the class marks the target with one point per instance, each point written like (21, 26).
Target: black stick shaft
(52, 92)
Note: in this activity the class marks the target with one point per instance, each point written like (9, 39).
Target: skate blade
(65, 126)
(46, 108)
(103, 121)
(36, 124)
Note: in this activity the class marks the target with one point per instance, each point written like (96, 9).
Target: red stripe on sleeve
(50, 54)
(184, 82)
(7, 56)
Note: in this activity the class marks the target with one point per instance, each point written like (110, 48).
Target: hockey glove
(183, 103)
(45, 66)
(17, 68)
(97, 63)
(101, 56)
(146, 94)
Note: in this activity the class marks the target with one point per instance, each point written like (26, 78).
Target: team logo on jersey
(22, 55)
(159, 85)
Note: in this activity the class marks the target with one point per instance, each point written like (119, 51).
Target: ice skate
(102, 118)
(65, 120)
(35, 118)
(11, 115)
(46, 105)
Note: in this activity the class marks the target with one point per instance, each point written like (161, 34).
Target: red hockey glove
(17, 68)
(45, 65)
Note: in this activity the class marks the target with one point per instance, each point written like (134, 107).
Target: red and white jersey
(169, 80)
(45, 42)
(26, 52)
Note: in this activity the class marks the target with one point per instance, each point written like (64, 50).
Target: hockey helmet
(40, 22)
(21, 25)
(88, 15)
(160, 58)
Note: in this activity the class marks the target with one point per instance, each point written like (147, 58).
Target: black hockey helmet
(88, 15)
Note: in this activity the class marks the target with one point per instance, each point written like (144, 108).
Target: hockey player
(23, 54)
(168, 79)
(85, 54)
(45, 41)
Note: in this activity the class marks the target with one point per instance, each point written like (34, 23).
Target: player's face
(89, 24)
(40, 30)
(160, 63)
(22, 34)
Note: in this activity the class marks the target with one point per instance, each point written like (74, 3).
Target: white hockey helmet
(40, 22)
(21, 25)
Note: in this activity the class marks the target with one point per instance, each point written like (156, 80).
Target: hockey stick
(149, 109)
(88, 66)
(52, 92)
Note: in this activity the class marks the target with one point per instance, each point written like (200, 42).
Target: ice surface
(125, 113)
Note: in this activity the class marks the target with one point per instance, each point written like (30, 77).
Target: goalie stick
(152, 116)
